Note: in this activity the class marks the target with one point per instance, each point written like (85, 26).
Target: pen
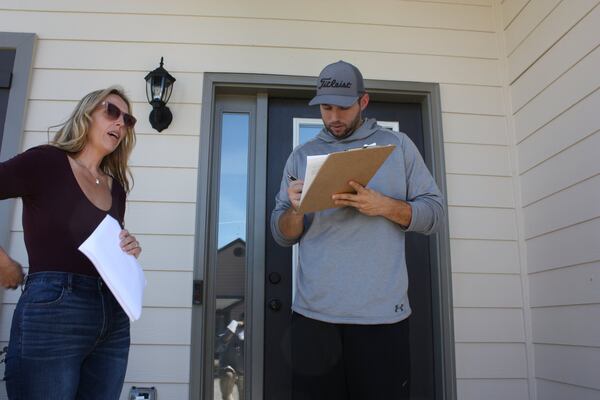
(292, 178)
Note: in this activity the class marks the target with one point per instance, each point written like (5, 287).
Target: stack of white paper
(313, 165)
(119, 270)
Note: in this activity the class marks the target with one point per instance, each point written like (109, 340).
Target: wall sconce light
(159, 85)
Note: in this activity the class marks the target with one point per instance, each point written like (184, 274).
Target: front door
(290, 121)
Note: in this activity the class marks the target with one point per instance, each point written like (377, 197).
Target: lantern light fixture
(159, 85)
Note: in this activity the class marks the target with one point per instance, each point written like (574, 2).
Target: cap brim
(340, 101)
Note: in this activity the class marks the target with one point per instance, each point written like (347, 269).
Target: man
(349, 324)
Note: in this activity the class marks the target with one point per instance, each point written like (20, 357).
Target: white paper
(120, 271)
(313, 164)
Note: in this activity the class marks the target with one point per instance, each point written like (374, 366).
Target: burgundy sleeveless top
(57, 216)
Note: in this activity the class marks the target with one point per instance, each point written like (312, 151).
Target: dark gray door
(278, 271)
(7, 59)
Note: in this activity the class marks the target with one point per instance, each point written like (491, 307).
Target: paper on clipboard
(120, 271)
(329, 174)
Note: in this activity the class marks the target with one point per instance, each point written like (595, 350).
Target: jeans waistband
(68, 279)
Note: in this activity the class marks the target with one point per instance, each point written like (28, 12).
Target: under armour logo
(399, 307)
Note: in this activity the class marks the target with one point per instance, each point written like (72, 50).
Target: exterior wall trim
(24, 44)
(14, 123)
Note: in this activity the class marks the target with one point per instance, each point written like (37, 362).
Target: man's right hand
(295, 192)
(11, 273)
(291, 222)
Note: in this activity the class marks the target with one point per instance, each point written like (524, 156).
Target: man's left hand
(367, 201)
(372, 203)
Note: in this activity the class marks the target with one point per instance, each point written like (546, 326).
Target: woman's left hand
(129, 244)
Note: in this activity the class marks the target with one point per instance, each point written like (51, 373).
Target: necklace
(97, 179)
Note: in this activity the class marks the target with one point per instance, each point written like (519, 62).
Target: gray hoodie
(352, 267)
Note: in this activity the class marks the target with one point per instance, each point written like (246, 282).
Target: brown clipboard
(357, 165)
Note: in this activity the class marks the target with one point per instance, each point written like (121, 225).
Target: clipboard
(357, 165)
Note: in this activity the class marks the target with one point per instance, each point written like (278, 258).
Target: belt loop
(24, 282)
(70, 282)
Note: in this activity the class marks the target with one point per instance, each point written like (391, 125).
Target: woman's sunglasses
(113, 113)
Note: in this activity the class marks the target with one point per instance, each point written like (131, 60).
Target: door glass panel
(307, 128)
(230, 280)
(7, 58)
(304, 130)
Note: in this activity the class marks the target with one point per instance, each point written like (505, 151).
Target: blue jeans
(69, 340)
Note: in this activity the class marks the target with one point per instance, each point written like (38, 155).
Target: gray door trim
(255, 289)
(24, 44)
(262, 85)
(14, 123)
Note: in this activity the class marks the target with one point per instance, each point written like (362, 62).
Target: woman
(69, 336)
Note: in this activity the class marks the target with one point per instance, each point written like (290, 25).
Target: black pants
(347, 362)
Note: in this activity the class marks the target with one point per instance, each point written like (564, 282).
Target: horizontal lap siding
(553, 324)
(473, 128)
(510, 10)
(465, 15)
(543, 35)
(551, 390)
(576, 244)
(258, 32)
(573, 126)
(484, 256)
(491, 360)
(493, 389)
(573, 86)
(453, 42)
(567, 52)
(573, 285)
(553, 63)
(573, 365)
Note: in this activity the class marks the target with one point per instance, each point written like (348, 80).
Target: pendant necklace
(96, 178)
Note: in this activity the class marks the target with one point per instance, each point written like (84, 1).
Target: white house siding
(86, 45)
(553, 59)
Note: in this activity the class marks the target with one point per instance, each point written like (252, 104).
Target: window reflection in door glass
(230, 278)
(309, 131)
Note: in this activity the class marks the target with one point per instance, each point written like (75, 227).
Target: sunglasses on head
(113, 113)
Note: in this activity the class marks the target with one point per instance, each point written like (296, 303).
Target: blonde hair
(72, 135)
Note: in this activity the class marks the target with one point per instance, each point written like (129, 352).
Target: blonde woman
(69, 336)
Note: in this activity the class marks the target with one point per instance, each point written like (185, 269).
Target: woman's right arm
(17, 178)
(20, 175)
(11, 272)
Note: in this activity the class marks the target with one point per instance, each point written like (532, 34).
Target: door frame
(14, 123)
(203, 324)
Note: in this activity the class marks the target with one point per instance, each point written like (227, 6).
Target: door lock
(274, 278)
(275, 304)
